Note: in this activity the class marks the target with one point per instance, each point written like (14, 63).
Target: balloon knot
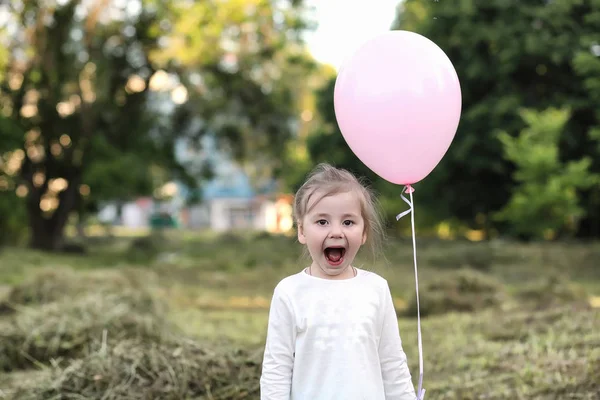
(409, 189)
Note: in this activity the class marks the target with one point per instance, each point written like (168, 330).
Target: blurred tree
(12, 229)
(297, 160)
(510, 55)
(95, 95)
(546, 203)
(246, 69)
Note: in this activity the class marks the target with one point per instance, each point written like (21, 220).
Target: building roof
(234, 185)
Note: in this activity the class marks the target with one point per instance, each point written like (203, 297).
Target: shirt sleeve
(394, 368)
(278, 360)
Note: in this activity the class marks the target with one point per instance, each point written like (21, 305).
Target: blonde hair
(329, 181)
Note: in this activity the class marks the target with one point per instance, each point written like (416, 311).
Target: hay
(64, 328)
(552, 291)
(104, 336)
(54, 284)
(478, 256)
(461, 291)
(135, 369)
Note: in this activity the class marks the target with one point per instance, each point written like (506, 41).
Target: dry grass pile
(517, 354)
(63, 328)
(551, 292)
(106, 336)
(135, 369)
(478, 256)
(54, 284)
(460, 291)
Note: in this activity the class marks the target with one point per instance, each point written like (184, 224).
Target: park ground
(179, 315)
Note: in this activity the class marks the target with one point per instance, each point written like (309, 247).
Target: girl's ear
(301, 237)
(364, 238)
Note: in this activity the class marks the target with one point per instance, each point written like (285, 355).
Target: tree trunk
(81, 227)
(47, 232)
(45, 237)
(81, 214)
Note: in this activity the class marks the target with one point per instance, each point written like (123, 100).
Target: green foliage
(107, 169)
(72, 95)
(84, 100)
(13, 227)
(546, 200)
(247, 91)
(552, 64)
(13, 218)
(11, 135)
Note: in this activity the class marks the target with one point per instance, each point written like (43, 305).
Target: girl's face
(333, 231)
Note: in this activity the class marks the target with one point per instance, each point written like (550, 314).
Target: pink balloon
(398, 103)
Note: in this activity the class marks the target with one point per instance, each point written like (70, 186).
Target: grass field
(183, 316)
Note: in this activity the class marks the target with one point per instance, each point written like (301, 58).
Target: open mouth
(335, 255)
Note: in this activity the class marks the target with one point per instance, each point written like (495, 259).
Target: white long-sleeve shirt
(334, 340)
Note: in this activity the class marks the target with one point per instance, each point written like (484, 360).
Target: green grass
(538, 339)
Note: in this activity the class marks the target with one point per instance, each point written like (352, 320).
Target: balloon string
(409, 189)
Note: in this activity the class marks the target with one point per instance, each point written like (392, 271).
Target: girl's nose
(336, 231)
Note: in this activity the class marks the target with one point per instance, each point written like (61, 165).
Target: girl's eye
(322, 222)
(348, 222)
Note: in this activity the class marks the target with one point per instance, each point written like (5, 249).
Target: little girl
(333, 331)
